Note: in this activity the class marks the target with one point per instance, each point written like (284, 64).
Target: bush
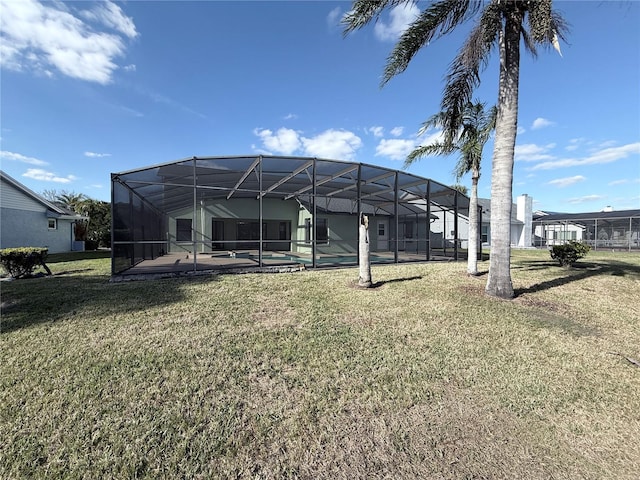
(570, 252)
(21, 262)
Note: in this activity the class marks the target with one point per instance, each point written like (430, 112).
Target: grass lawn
(303, 376)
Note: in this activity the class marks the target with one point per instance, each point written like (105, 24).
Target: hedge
(21, 262)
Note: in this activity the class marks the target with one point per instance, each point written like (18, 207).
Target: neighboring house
(606, 229)
(521, 224)
(28, 220)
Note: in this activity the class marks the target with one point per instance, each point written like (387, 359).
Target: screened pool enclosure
(607, 230)
(209, 213)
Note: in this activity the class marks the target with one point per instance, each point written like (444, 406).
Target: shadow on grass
(395, 280)
(30, 302)
(73, 256)
(579, 271)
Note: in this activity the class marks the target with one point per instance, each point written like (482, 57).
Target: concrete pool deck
(247, 260)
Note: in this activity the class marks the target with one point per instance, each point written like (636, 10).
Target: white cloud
(39, 174)
(129, 68)
(376, 131)
(541, 123)
(130, 111)
(290, 116)
(395, 148)
(618, 182)
(624, 181)
(334, 17)
(530, 152)
(521, 130)
(37, 36)
(400, 17)
(110, 15)
(565, 182)
(586, 198)
(96, 155)
(607, 155)
(336, 144)
(285, 141)
(22, 158)
(397, 131)
(164, 100)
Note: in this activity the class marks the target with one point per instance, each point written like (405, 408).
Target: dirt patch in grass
(270, 314)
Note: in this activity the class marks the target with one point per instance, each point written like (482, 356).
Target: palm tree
(502, 24)
(475, 129)
(76, 202)
(364, 256)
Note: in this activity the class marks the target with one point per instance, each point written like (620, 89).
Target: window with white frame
(53, 224)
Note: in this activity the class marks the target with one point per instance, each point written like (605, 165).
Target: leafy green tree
(75, 202)
(469, 141)
(500, 24)
(96, 231)
(99, 226)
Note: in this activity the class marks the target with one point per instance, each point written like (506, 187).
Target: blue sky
(91, 88)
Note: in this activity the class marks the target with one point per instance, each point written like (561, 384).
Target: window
(381, 229)
(485, 233)
(183, 229)
(284, 231)
(217, 234)
(53, 224)
(408, 229)
(322, 230)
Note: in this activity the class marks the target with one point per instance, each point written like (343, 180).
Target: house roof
(54, 210)
(485, 203)
(613, 215)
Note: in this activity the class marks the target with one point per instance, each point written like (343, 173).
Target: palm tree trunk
(364, 257)
(499, 281)
(472, 251)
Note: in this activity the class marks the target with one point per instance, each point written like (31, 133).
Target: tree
(463, 189)
(76, 202)
(99, 226)
(364, 253)
(96, 231)
(502, 24)
(469, 141)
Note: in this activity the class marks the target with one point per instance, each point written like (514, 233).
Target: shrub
(21, 262)
(570, 252)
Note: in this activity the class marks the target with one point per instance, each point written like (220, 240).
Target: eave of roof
(614, 215)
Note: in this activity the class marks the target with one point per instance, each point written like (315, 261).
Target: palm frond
(438, 19)
(438, 148)
(529, 44)
(364, 11)
(464, 72)
(434, 121)
(545, 25)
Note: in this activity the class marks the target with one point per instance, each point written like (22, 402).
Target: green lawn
(303, 376)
